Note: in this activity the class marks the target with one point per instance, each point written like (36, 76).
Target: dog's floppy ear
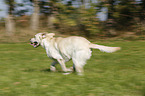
(50, 35)
(44, 35)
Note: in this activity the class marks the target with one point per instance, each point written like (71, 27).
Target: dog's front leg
(52, 66)
(62, 64)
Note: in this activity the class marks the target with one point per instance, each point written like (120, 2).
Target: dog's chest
(52, 52)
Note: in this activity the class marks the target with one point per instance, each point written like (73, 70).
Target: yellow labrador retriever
(62, 50)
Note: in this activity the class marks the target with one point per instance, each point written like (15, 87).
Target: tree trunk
(142, 11)
(110, 9)
(9, 20)
(35, 17)
(85, 3)
(10, 25)
(50, 19)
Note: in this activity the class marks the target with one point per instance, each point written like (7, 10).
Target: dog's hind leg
(79, 59)
(78, 67)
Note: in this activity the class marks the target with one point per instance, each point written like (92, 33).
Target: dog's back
(76, 48)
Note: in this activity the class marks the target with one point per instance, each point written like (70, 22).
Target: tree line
(80, 16)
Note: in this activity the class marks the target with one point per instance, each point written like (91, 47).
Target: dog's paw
(66, 73)
(70, 69)
(52, 68)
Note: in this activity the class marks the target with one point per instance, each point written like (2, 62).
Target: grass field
(24, 71)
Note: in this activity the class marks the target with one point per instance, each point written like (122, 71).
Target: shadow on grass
(37, 70)
(48, 70)
(29, 70)
(45, 70)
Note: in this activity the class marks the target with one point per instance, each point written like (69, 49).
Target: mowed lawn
(24, 71)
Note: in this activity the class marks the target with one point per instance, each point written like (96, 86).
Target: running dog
(62, 50)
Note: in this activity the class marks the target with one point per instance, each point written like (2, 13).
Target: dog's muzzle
(35, 44)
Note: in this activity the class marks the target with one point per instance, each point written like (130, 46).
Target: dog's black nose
(35, 41)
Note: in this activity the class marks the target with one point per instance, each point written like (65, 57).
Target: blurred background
(21, 19)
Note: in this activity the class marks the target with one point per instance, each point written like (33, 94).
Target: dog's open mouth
(35, 44)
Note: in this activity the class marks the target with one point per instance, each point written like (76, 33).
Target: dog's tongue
(34, 45)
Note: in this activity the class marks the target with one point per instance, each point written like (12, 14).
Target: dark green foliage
(79, 17)
(11, 5)
(122, 13)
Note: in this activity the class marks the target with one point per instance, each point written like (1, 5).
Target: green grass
(24, 72)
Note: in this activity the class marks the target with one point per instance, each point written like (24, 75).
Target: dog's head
(36, 41)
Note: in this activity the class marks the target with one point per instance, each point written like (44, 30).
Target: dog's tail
(104, 48)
